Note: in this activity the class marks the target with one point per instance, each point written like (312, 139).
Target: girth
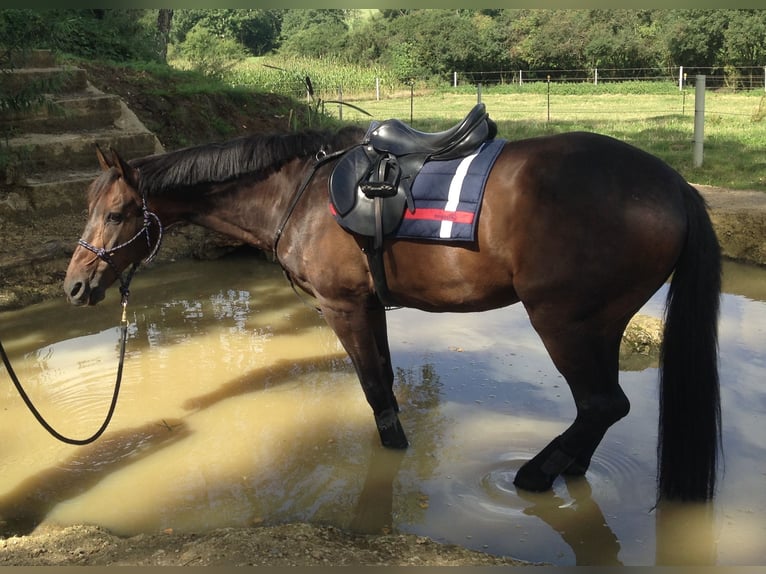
(370, 185)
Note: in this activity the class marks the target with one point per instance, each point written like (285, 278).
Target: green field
(734, 130)
(653, 115)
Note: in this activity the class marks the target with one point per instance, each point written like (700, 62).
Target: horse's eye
(115, 217)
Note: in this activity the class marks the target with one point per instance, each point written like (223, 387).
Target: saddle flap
(352, 168)
(362, 202)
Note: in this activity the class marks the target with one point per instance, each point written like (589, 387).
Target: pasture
(662, 124)
(654, 115)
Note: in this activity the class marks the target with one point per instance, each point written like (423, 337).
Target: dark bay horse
(580, 228)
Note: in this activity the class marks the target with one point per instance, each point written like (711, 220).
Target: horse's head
(120, 233)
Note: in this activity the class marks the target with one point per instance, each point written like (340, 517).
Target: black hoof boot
(538, 474)
(390, 429)
(577, 468)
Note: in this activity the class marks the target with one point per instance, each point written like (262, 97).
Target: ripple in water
(72, 382)
(613, 474)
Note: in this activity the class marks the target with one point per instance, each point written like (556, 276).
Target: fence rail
(737, 78)
(653, 79)
(552, 103)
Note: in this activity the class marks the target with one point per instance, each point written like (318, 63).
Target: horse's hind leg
(361, 328)
(589, 363)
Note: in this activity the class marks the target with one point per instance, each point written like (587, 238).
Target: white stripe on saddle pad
(455, 188)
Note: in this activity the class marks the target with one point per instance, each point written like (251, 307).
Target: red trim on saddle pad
(441, 215)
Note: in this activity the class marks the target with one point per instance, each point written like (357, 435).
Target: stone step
(42, 153)
(54, 80)
(82, 111)
(32, 59)
(53, 194)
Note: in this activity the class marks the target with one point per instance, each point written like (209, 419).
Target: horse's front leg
(361, 328)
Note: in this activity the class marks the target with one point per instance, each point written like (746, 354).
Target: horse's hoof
(391, 430)
(533, 479)
(576, 469)
(539, 473)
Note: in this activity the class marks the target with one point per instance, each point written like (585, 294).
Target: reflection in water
(26, 506)
(239, 407)
(579, 522)
(685, 535)
(373, 513)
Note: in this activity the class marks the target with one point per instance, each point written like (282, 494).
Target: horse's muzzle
(81, 293)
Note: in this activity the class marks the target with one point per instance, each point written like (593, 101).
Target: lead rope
(41, 419)
(106, 256)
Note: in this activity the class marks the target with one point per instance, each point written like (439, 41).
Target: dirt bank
(285, 545)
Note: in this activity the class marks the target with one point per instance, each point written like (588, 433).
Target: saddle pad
(447, 196)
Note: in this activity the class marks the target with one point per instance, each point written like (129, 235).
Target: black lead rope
(106, 256)
(107, 420)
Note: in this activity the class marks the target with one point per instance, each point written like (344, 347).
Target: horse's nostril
(75, 289)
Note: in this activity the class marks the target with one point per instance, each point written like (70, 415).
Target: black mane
(220, 162)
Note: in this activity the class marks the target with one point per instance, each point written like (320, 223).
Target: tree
(550, 39)
(745, 45)
(209, 53)
(443, 41)
(744, 40)
(619, 39)
(694, 37)
(114, 34)
(164, 22)
(255, 29)
(20, 30)
(366, 41)
(317, 33)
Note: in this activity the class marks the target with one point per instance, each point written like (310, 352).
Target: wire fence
(731, 77)
(354, 92)
(554, 102)
(359, 85)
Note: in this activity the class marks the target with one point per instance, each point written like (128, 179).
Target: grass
(662, 124)
(653, 115)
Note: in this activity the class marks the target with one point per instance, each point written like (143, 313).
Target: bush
(210, 54)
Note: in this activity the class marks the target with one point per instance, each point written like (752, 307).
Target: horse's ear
(129, 174)
(102, 159)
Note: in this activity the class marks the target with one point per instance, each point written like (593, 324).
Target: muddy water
(239, 407)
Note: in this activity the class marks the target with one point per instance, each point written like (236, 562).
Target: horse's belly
(449, 278)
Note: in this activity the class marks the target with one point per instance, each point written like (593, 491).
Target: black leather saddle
(370, 185)
(398, 138)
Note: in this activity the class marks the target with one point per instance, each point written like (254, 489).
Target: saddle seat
(399, 139)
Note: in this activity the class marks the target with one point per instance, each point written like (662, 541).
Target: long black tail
(689, 439)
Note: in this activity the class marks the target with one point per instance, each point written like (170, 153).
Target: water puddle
(239, 407)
